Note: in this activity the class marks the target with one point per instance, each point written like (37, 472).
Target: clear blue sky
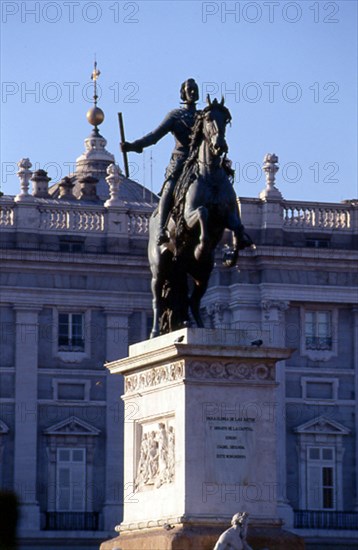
(287, 69)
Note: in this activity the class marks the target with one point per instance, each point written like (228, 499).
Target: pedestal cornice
(190, 344)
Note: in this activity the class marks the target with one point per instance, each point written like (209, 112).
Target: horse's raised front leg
(241, 239)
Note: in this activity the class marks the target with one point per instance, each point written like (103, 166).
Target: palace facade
(75, 292)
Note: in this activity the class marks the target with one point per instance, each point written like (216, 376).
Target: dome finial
(95, 116)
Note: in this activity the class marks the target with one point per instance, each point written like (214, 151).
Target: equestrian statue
(197, 204)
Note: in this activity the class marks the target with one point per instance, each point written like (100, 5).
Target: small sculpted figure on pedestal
(235, 537)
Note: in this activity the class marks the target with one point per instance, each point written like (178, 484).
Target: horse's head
(215, 118)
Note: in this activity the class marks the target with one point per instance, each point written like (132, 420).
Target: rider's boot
(163, 214)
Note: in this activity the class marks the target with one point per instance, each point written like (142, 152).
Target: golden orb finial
(95, 116)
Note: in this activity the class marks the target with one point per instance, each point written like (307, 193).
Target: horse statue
(205, 204)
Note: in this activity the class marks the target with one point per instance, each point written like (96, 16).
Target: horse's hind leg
(194, 303)
(201, 284)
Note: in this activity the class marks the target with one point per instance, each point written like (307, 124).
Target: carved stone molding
(216, 312)
(274, 310)
(281, 305)
(231, 370)
(154, 377)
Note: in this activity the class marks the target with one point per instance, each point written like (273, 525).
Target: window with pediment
(321, 451)
(70, 449)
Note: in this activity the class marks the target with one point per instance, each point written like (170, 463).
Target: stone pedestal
(200, 441)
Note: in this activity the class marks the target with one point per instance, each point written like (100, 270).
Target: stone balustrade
(71, 217)
(7, 218)
(138, 222)
(303, 215)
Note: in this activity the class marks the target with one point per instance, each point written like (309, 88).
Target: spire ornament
(24, 174)
(95, 115)
(270, 167)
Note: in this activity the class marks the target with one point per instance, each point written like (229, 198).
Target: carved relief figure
(153, 457)
(156, 464)
(171, 454)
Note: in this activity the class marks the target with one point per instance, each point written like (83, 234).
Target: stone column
(25, 447)
(116, 346)
(273, 320)
(355, 366)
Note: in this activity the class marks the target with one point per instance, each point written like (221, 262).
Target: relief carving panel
(156, 464)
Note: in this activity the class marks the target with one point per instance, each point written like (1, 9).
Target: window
(71, 480)
(71, 332)
(320, 452)
(321, 478)
(318, 330)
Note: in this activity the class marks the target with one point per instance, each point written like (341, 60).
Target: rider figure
(180, 123)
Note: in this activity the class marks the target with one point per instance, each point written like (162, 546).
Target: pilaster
(355, 366)
(25, 451)
(116, 346)
(273, 321)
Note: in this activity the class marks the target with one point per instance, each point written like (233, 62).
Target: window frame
(322, 433)
(71, 336)
(71, 355)
(319, 353)
(321, 464)
(73, 467)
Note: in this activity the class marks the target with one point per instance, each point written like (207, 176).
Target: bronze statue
(205, 204)
(180, 123)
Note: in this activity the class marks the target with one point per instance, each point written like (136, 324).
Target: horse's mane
(197, 132)
(190, 169)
